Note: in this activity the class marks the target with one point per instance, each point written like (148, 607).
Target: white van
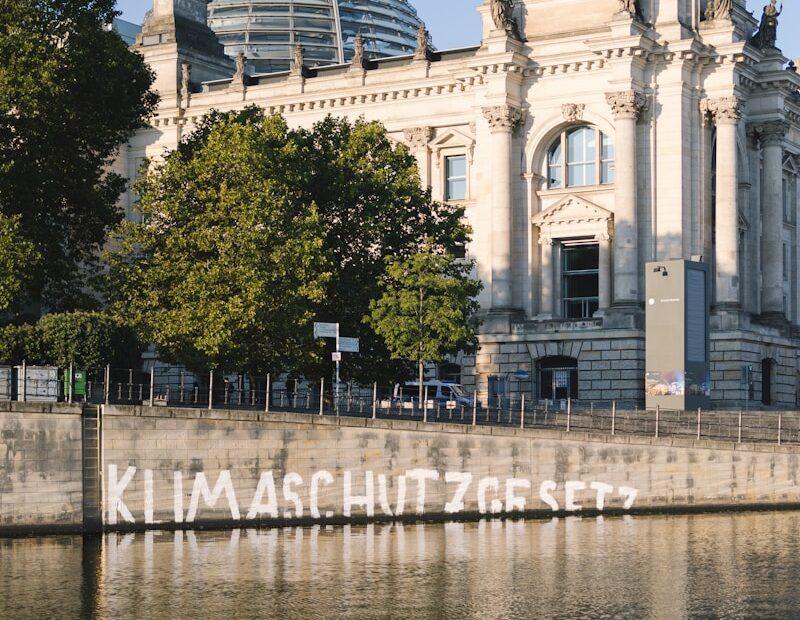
(438, 391)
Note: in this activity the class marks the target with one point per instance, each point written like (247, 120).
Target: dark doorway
(558, 377)
(767, 366)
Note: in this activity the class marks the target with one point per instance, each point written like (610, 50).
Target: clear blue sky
(455, 23)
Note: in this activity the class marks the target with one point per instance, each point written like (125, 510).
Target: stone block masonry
(167, 468)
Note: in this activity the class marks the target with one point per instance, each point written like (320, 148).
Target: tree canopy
(18, 258)
(226, 268)
(426, 307)
(345, 185)
(70, 93)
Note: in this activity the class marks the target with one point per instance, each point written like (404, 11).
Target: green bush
(88, 339)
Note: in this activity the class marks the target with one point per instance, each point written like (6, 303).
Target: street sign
(521, 375)
(326, 330)
(336, 356)
(348, 345)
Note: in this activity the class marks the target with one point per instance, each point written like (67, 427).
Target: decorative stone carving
(723, 109)
(631, 7)
(718, 9)
(423, 43)
(502, 16)
(502, 117)
(545, 240)
(186, 73)
(626, 103)
(573, 112)
(771, 133)
(418, 138)
(767, 32)
(241, 67)
(298, 61)
(358, 52)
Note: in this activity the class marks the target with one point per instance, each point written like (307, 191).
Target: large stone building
(585, 138)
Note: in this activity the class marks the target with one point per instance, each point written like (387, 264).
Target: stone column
(771, 136)
(417, 139)
(626, 106)
(726, 112)
(502, 120)
(604, 270)
(548, 286)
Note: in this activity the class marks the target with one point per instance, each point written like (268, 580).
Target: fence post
(613, 417)
(183, 386)
(425, 405)
(210, 389)
(740, 426)
(71, 382)
(107, 384)
(375, 400)
(658, 413)
(780, 425)
(475, 407)
(522, 413)
(321, 394)
(267, 389)
(569, 413)
(152, 385)
(24, 381)
(698, 423)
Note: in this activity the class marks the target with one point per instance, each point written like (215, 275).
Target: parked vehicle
(438, 391)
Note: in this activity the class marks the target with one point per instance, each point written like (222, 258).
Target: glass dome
(267, 30)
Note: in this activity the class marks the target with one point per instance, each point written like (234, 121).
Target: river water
(701, 566)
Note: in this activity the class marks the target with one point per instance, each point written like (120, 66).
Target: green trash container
(78, 382)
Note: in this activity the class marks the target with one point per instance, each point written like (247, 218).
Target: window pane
(580, 281)
(581, 154)
(457, 166)
(581, 258)
(554, 165)
(456, 181)
(607, 159)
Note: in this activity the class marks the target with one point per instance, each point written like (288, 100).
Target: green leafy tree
(366, 191)
(370, 199)
(70, 93)
(226, 268)
(18, 258)
(426, 307)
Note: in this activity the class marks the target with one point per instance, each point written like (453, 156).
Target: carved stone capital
(723, 109)
(603, 236)
(573, 111)
(772, 133)
(626, 103)
(418, 138)
(543, 240)
(502, 117)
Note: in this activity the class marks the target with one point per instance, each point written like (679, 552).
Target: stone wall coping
(300, 419)
(36, 407)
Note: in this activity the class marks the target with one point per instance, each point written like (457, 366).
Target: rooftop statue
(718, 9)
(503, 19)
(767, 33)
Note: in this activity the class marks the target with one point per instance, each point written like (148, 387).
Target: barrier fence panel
(166, 387)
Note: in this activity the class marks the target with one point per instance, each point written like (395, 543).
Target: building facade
(585, 138)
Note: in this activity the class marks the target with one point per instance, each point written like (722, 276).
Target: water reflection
(733, 566)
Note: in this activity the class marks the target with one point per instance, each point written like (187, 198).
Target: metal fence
(246, 392)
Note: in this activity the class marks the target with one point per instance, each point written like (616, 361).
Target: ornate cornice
(418, 138)
(502, 117)
(626, 103)
(573, 111)
(723, 109)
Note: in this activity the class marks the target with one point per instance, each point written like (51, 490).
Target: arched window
(580, 156)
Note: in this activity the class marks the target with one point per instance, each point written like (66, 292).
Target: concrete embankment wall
(176, 467)
(41, 482)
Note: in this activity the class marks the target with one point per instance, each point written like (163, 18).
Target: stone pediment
(574, 216)
(453, 138)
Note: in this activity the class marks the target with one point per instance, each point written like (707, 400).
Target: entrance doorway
(557, 377)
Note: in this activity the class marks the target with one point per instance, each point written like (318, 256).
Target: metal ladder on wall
(92, 473)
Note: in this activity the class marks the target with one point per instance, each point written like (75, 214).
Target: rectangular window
(580, 280)
(455, 177)
(607, 160)
(581, 157)
(786, 262)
